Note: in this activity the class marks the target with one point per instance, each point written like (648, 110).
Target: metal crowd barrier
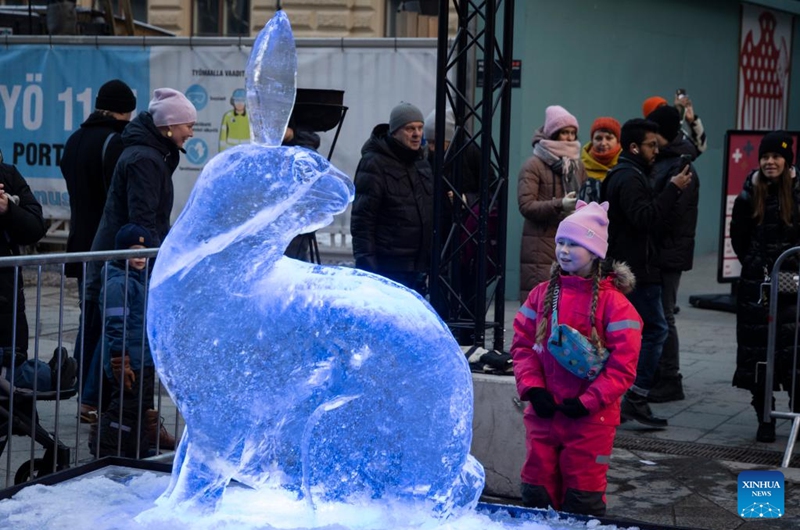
(52, 419)
(773, 322)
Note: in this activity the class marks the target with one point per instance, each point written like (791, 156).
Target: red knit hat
(651, 104)
(607, 124)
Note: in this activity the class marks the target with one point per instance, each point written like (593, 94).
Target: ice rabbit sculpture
(329, 381)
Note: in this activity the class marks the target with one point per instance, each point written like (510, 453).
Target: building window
(407, 18)
(221, 18)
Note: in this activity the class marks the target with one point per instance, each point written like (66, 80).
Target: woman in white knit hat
(141, 190)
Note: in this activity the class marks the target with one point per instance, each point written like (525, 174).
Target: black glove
(542, 402)
(573, 408)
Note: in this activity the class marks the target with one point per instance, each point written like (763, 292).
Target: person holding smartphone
(676, 247)
(696, 133)
(637, 218)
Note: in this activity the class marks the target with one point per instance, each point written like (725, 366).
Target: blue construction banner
(47, 91)
(45, 94)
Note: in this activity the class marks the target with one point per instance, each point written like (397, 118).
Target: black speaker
(317, 109)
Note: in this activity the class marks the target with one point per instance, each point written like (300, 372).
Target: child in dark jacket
(127, 361)
(575, 398)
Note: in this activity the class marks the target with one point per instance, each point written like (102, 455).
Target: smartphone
(685, 161)
(681, 93)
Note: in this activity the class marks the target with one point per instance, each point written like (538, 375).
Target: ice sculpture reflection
(327, 381)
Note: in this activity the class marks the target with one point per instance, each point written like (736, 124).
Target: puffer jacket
(141, 191)
(676, 249)
(392, 217)
(539, 194)
(21, 224)
(124, 312)
(90, 156)
(619, 328)
(758, 246)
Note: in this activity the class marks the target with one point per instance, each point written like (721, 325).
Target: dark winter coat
(124, 311)
(539, 194)
(758, 246)
(469, 159)
(637, 217)
(392, 218)
(141, 190)
(676, 252)
(21, 224)
(90, 155)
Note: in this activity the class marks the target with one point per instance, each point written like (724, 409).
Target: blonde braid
(596, 273)
(541, 329)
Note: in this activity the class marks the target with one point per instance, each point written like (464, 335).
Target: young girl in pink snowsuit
(574, 414)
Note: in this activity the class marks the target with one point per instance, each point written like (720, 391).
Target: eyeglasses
(652, 144)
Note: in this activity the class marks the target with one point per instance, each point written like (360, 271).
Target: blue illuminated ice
(329, 383)
(122, 499)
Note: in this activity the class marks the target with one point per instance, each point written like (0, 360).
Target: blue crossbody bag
(573, 350)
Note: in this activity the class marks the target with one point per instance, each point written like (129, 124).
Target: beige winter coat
(539, 193)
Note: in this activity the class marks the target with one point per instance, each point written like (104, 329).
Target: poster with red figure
(741, 150)
(764, 66)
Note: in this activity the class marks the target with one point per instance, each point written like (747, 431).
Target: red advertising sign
(765, 58)
(741, 149)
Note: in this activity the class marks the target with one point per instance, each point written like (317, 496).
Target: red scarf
(607, 157)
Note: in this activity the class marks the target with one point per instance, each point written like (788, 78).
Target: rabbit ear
(580, 204)
(604, 205)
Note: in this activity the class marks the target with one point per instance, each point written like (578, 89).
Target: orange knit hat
(607, 124)
(651, 104)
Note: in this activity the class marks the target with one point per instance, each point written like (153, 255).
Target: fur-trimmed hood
(617, 272)
(622, 276)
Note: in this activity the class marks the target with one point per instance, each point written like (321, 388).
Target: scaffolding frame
(464, 297)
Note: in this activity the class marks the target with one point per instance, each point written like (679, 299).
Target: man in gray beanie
(392, 219)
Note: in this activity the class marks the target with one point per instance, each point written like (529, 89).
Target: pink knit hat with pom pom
(588, 227)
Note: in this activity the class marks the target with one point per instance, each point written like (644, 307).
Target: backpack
(590, 191)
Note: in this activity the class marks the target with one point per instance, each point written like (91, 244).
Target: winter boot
(154, 430)
(534, 496)
(667, 389)
(635, 408)
(766, 432)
